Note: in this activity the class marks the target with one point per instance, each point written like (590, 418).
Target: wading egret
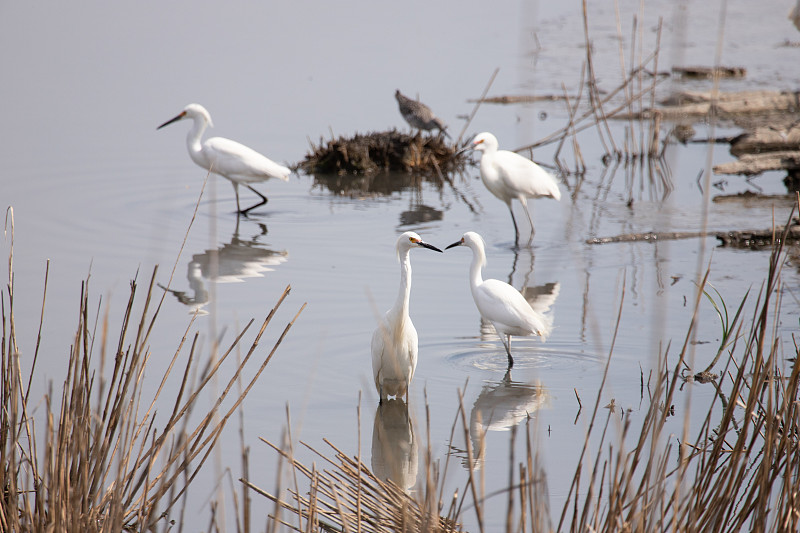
(498, 302)
(227, 158)
(510, 176)
(394, 342)
(418, 115)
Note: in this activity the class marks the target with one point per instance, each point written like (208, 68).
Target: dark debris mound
(384, 151)
(760, 239)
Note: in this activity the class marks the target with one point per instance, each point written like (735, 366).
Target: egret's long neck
(489, 173)
(401, 305)
(193, 141)
(478, 260)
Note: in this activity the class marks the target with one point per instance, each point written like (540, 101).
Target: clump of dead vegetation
(384, 151)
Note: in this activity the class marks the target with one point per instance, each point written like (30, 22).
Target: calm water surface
(99, 193)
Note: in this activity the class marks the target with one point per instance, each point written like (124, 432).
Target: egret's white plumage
(394, 342)
(510, 176)
(498, 302)
(227, 158)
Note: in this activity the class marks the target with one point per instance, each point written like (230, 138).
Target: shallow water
(97, 191)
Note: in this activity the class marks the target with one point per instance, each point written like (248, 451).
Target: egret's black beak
(429, 246)
(457, 243)
(466, 148)
(170, 121)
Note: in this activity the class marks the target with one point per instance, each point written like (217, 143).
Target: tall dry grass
(93, 459)
(740, 471)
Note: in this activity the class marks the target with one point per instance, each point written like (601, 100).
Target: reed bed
(639, 145)
(96, 458)
(739, 471)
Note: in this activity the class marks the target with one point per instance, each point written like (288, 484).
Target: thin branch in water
(477, 105)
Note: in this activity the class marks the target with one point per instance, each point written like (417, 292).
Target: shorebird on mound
(418, 115)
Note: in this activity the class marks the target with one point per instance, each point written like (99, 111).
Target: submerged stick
(649, 236)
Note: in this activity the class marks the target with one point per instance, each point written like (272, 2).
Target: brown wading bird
(418, 115)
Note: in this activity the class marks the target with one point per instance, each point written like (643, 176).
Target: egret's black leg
(507, 346)
(259, 204)
(516, 229)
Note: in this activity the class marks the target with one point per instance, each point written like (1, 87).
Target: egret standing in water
(510, 176)
(418, 115)
(227, 158)
(498, 302)
(394, 343)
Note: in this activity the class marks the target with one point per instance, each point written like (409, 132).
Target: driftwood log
(766, 148)
(753, 239)
(649, 236)
(750, 199)
(752, 164)
(758, 239)
(694, 103)
(767, 139)
(519, 99)
(709, 72)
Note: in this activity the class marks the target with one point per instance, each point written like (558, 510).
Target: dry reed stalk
(350, 497)
(96, 465)
(477, 105)
(594, 91)
(655, 125)
(580, 124)
(580, 166)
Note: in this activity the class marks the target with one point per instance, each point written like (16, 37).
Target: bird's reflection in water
(419, 214)
(358, 186)
(540, 297)
(499, 407)
(395, 452)
(232, 262)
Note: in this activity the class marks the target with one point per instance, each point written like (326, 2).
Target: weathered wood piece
(649, 236)
(519, 99)
(757, 239)
(752, 164)
(690, 103)
(767, 139)
(710, 72)
(750, 199)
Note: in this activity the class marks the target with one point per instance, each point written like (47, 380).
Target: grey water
(98, 192)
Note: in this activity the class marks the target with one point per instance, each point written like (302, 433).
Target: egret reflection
(234, 261)
(499, 407)
(395, 452)
(541, 299)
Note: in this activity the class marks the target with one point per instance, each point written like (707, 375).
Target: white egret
(418, 115)
(394, 342)
(229, 159)
(510, 176)
(498, 302)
